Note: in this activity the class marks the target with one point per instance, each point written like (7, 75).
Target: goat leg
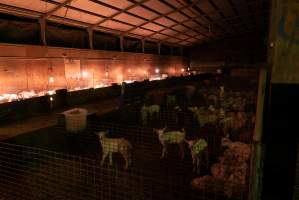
(182, 150)
(110, 158)
(163, 152)
(103, 158)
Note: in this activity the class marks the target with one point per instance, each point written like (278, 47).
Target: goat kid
(197, 148)
(241, 150)
(147, 112)
(171, 137)
(115, 145)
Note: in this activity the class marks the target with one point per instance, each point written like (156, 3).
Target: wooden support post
(257, 156)
(159, 48)
(181, 51)
(90, 37)
(142, 43)
(121, 40)
(171, 50)
(42, 22)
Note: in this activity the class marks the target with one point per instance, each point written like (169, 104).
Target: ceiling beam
(22, 12)
(117, 13)
(166, 15)
(181, 12)
(98, 15)
(51, 12)
(185, 21)
(128, 13)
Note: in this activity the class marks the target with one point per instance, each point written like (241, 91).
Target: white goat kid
(114, 145)
(171, 137)
(197, 148)
(147, 112)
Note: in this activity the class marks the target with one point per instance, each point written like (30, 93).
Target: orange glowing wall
(26, 67)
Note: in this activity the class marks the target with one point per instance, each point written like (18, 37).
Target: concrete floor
(49, 119)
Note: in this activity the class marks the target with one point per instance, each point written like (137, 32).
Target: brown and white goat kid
(115, 145)
(197, 148)
(171, 137)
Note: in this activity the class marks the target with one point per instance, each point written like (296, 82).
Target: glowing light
(84, 74)
(119, 78)
(157, 70)
(51, 92)
(182, 70)
(188, 68)
(129, 70)
(51, 98)
(106, 74)
(219, 71)
(144, 72)
(51, 80)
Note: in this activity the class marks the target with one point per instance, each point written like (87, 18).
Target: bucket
(75, 119)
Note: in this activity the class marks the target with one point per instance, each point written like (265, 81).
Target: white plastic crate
(75, 119)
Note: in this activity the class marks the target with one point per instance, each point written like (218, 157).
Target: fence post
(256, 158)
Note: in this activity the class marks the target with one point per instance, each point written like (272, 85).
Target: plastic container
(75, 119)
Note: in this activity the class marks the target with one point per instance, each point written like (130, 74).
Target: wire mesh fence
(35, 173)
(71, 165)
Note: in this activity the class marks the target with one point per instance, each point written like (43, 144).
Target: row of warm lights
(24, 95)
(84, 74)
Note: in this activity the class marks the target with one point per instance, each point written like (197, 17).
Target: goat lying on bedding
(114, 145)
(197, 148)
(171, 137)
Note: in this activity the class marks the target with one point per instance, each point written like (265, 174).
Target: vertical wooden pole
(142, 43)
(42, 22)
(171, 50)
(159, 48)
(121, 40)
(181, 51)
(257, 153)
(90, 37)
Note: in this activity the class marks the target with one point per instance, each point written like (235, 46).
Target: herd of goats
(230, 111)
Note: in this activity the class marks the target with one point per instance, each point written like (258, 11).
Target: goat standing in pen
(148, 112)
(197, 148)
(115, 145)
(171, 137)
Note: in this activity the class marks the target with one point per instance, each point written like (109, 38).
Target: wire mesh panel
(117, 156)
(33, 173)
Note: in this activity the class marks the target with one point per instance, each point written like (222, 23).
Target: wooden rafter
(102, 16)
(51, 12)
(117, 13)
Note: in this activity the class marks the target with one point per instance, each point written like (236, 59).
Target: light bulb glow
(51, 80)
(182, 70)
(84, 74)
(106, 74)
(157, 70)
(51, 99)
(144, 72)
(129, 70)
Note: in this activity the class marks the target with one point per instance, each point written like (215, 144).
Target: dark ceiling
(176, 22)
